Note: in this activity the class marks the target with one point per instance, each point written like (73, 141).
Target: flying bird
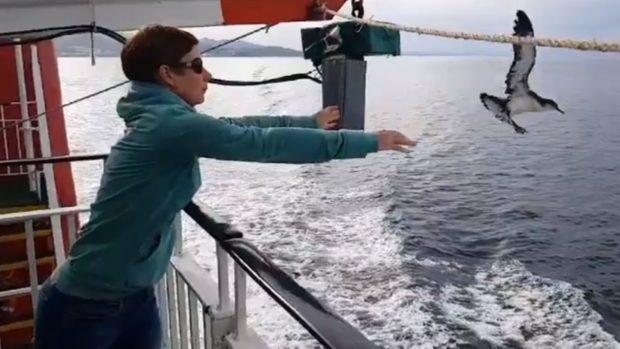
(520, 99)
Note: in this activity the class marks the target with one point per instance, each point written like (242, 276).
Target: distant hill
(79, 46)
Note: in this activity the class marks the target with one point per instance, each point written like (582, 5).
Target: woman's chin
(198, 100)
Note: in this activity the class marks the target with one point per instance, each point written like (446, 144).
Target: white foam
(509, 303)
(342, 255)
(357, 271)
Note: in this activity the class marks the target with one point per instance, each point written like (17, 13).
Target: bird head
(552, 105)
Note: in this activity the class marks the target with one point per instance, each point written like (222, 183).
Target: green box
(358, 41)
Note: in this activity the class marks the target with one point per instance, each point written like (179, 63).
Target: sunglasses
(194, 65)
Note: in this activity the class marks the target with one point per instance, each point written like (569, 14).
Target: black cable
(265, 27)
(357, 8)
(285, 78)
(30, 36)
(9, 39)
(56, 32)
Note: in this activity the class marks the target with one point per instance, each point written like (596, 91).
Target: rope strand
(497, 38)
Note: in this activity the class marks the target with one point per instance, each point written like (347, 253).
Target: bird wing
(493, 104)
(524, 57)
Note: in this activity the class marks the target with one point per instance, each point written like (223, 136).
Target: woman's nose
(207, 75)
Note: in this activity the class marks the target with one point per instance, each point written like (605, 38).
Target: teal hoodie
(152, 172)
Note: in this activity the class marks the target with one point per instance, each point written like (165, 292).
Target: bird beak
(560, 110)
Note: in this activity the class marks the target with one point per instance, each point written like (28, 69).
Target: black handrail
(54, 160)
(330, 329)
(323, 323)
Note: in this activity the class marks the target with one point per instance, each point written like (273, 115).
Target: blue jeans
(66, 322)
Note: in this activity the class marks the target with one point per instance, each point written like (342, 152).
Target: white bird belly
(523, 104)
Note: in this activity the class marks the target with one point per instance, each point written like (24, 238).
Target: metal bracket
(221, 324)
(357, 8)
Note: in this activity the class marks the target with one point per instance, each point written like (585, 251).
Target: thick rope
(557, 43)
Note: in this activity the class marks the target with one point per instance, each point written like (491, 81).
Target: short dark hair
(153, 46)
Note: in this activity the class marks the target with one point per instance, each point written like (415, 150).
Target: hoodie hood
(143, 97)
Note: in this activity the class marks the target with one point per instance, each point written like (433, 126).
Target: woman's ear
(165, 76)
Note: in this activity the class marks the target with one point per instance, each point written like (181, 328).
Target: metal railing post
(32, 265)
(240, 303)
(222, 279)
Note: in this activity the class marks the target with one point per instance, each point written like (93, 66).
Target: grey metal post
(344, 85)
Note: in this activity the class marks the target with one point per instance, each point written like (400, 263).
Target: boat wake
(322, 229)
(509, 307)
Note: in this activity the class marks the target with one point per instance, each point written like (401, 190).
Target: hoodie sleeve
(209, 137)
(273, 121)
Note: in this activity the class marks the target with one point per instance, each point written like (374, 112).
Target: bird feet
(519, 129)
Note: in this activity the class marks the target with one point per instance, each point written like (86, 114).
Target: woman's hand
(327, 118)
(394, 140)
(388, 140)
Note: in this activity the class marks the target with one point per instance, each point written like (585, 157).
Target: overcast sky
(578, 19)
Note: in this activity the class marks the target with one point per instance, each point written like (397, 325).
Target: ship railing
(28, 218)
(196, 311)
(11, 135)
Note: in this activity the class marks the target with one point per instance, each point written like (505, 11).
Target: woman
(103, 296)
